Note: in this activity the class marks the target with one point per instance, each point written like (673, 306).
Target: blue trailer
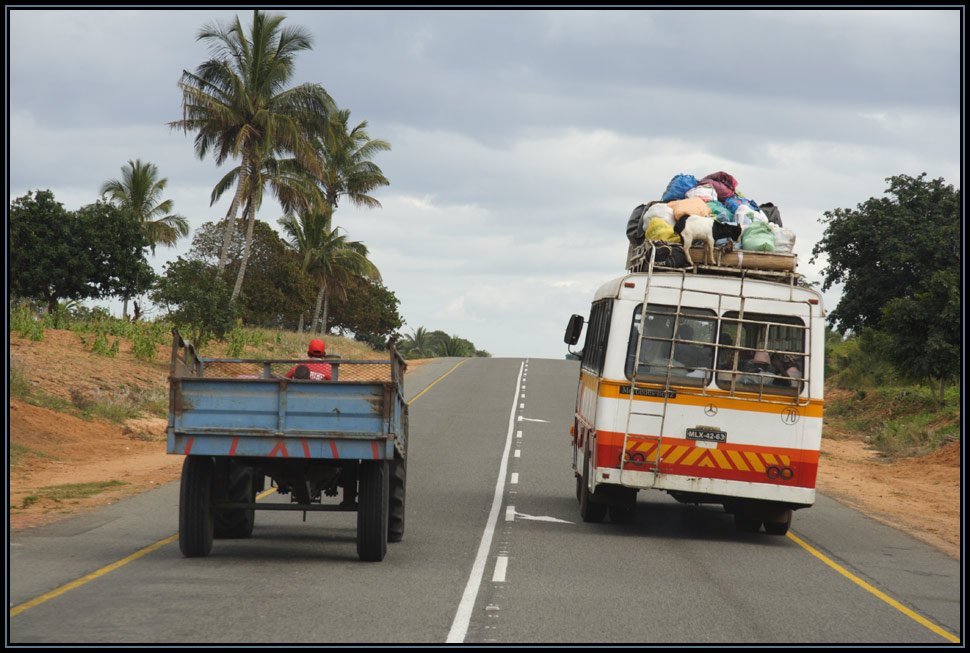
(239, 422)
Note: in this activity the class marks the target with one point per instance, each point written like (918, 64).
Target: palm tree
(327, 255)
(293, 187)
(137, 194)
(239, 105)
(347, 166)
(418, 343)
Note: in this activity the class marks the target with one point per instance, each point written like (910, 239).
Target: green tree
(368, 309)
(238, 104)
(328, 257)
(55, 254)
(198, 300)
(889, 247)
(276, 290)
(348, 170)
(138, 193)
(417, 344)
(455, 346)
(926, 330)
(289, 181)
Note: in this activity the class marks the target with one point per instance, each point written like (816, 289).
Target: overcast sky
(522, 140)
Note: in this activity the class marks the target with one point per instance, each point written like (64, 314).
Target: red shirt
(318, 371)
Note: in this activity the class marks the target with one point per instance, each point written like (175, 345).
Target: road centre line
(501, 566)
(157, 545)
(872, 590)
(415, 398)
(459, 627)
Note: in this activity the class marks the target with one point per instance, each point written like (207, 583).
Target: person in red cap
(312, 371)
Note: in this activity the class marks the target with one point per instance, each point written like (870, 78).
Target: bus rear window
(761, 353)
(687, 355)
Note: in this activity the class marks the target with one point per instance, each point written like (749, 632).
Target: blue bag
(678, 187)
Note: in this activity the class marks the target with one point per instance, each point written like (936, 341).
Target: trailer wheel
(779, 527)
(372, 513)
(195, 507)
(237, 523)
(589, 510)
(398, 486)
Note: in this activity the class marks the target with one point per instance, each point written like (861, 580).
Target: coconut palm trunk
(318, 307)
(250, 217)
(231, 217)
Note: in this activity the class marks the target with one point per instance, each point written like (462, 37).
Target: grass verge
(898, 421)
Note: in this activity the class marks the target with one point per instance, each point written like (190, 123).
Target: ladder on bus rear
(647, 455)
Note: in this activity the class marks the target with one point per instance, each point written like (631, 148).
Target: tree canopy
(96, 251)
(889, 247)
(899, 260)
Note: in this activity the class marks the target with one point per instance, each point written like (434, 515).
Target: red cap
(317, 348)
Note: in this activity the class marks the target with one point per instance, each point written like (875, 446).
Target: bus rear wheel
(589, 509)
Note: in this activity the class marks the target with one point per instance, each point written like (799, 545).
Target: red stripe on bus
(232, 449)
(188, 446)
(306, 448)
(333, 449)
(374, 447)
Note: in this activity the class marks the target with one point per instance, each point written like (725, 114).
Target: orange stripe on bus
(720, 399)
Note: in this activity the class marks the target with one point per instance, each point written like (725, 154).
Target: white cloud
(521, 141)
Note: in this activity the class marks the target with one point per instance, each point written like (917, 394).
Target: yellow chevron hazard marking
(676, 454)
(738, 460)
(693, 456)
(718, 455)
(755, 461)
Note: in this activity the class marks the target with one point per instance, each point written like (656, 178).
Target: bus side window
(597, 333)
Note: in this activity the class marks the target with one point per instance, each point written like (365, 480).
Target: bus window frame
(672, 341)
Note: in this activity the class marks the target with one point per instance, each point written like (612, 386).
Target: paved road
(494, 552)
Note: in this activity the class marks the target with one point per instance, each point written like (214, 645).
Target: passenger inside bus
(785, 366)
(692, 356)
(654, 356)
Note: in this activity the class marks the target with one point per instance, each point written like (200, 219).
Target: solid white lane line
(463, 616)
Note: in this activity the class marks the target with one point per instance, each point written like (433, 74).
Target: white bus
(723, 406)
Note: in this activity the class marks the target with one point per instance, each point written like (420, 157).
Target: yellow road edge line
(104, 570)
(436, 380)
(93, 575)
(869, 588)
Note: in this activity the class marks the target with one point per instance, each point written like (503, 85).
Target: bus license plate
(711, 435)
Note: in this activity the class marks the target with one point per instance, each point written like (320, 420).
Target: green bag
(758, 237)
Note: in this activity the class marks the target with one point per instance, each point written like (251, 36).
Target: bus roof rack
(771, 266)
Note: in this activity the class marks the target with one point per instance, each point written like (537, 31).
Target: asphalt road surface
(494, 552)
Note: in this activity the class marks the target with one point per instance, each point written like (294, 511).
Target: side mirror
(574, 329)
